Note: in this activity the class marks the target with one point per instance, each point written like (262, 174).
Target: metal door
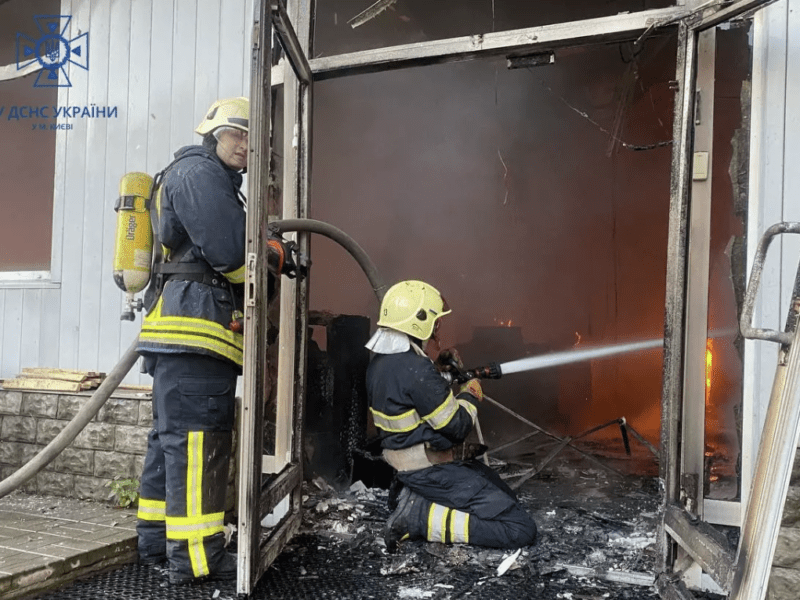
(689, 544)
(265, 480)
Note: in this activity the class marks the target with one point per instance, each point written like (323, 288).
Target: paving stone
(40, 405)
(131, 439)
(18, 429)
(112, 465)
(96, 436)
(68, 407)
(122, 411)
(47, 429)
(10, 402)
(76, 461)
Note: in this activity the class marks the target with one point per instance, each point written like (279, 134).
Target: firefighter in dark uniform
(446, 497)
(192, 351)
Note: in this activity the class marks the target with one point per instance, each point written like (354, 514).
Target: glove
(473, 388)
(280, 260)
(449, 361)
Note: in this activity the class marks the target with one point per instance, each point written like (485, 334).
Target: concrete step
(47, 541)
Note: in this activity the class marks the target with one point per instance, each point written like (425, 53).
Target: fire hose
(120, 370)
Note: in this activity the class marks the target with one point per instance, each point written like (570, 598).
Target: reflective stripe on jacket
(197, 205)
(411, 403)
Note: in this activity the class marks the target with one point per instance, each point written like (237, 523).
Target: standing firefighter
(193, 347)
(444, 499)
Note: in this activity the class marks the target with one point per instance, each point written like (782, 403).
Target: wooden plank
(50, 385)
(207, 57)
(234, 26)
(65, 374)
(159, 146)
(109, 344)
(94, 199)
(31, 326)
(182, 119)
(74, 193)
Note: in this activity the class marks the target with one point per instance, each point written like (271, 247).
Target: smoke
(498, 188)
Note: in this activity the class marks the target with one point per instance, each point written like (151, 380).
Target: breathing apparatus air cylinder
(133, 250)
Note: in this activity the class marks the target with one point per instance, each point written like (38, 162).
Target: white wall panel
(75, 173)
(159, 149)
(94, 200)
(49, 331)
(232, 26)
(184, 37)
(4, 373)
(31, 327)
(118, 81)
(207, 64)
(11, 340)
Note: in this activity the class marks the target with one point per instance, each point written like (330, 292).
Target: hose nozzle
(456, 375)
(490, 371)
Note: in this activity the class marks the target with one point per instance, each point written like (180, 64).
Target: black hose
(341, 238)
(120, 370)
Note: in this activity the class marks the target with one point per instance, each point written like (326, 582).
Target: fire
(501, 323)
(709, 368)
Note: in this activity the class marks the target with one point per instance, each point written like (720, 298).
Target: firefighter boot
(401, 523)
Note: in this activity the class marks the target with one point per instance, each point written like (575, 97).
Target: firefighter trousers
(185, 475)
(467, 503)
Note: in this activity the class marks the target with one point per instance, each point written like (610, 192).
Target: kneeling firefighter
(192, 343)
(447, 496)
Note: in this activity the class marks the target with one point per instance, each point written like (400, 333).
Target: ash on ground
(596, 529)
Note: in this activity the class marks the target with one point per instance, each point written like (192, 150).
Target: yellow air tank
(133, 250)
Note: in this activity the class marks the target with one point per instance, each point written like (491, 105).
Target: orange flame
(709, 368)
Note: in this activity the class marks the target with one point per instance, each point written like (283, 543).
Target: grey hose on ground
(341, 238)
(120, 370)
(74, 427)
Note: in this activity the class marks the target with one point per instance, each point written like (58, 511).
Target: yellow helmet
(412, 307)
(230, 112)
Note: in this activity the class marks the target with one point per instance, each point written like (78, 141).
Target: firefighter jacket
(200, 218)
(411, 403)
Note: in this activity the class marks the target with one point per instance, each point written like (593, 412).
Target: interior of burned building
(537, 200)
